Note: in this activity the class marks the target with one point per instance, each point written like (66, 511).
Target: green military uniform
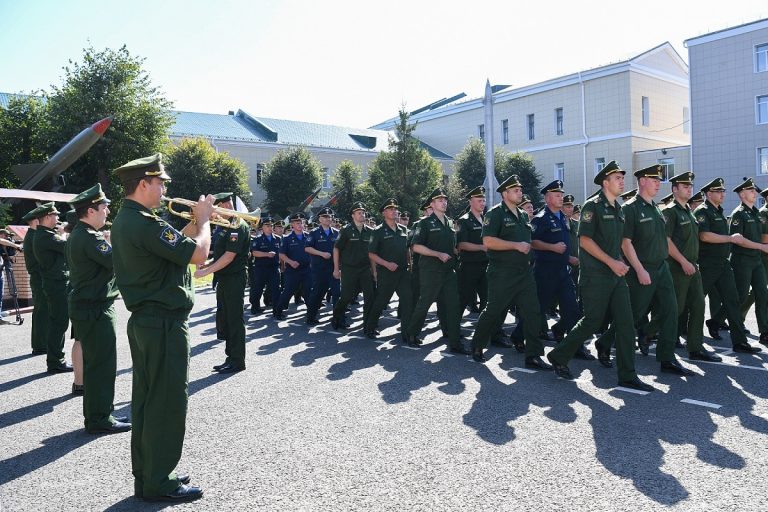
(352, 246)
(510, 278)
(603, 293)
(230, 288)
(49, 252)
(716, 270)
(747, 263)
(645, 227)
(92, 312)
(683, 231)
(151, 268)
(391, 245)
(472, 264)
(437, 280)
(40, 311)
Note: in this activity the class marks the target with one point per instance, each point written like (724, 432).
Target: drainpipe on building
(584, 133)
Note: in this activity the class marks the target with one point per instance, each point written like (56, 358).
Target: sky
(347, 63)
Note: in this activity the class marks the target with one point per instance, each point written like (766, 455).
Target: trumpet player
(230, 265)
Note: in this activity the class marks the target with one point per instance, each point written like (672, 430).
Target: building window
(259, 173)
(667, 168)
(505, 131)
(646, 111)
(762, 160)
(531, 131)
(599, 164)
(326, 178)
(761, 58)
(481, 132)
(560, 171)
(686, 120)
(762, 109)
(558, 121)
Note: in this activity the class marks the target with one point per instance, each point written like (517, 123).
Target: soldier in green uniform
(388, 250)
(683, 233)
(601, 282)
(151, 262)
(507, 235)
(230, 265)
(646, 249)
(351, 264)
(40, 311)
(434, 240)
(49, 247)
(746, 258)
(473, 259)
(714, 250)
(91, 309)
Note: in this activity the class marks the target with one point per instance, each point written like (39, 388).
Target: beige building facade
(634, 112)
(729, 98)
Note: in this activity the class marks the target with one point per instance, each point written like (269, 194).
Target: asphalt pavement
(329, 421)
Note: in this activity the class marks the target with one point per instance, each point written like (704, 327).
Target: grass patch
(203, 281)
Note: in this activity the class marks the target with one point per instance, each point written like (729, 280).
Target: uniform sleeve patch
(233, 236)
(735, 221)
(103, 247)
(170, 236)
(486, 221)
(587, 217)
(700, 218)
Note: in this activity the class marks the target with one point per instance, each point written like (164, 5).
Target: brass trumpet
(229, 218)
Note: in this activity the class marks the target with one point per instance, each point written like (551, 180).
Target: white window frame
(505, 131)
(530, 126)
(762, 153)
(761, 49)
(645, 108)
(599, 164)
(559, 121)
(481, 131)
(667, 163)
(560, 171)
(758, 100)
(259, 173)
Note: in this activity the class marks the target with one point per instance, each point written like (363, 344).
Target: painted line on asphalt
(524, 370)
(699, 402)
(630, 390)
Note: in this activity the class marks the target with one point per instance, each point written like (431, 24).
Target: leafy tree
(23, 129)
(107, 83)
(289, 178)
(455, 190)
(469, 164)
(346, 182)
(197, 169)
(406, 172)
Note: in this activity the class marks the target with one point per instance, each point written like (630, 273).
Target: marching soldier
(296, 261)
(601, 282)
(473, 260)
(388, 250)
(320, 242)
(151, 261)
(746, 258)
(265, 250)
(507, 235)
(40, 311)
(683, 233)
(571, 211)
(230, 266)
(527, 206)
(714, 251)
(49, 252)
(91, 309)
(352, 266)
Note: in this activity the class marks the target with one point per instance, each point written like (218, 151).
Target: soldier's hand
(689, 268)
(336, 274)
(560, 248)
(204, 208)
(200, 273)
(391, 266)
(619, 268)
(643, 277)
(444, 257)
(294, 264)
(764, 248)
(272, 254)
(737, 238)
(524, 247)
(573, 261)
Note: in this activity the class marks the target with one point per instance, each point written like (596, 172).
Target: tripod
(11, 280)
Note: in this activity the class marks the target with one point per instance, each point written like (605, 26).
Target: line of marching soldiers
(633, 273)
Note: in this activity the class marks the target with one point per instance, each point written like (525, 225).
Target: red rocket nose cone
(101, 126)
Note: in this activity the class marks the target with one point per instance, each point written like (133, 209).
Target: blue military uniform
(265, 272)
(293, 246)
(322, 269)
